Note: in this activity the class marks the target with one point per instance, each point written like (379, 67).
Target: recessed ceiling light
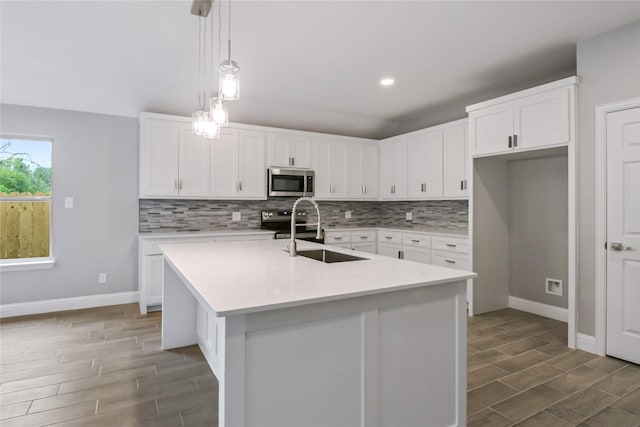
(387, 81)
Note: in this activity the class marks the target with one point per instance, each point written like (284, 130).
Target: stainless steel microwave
(290, 182)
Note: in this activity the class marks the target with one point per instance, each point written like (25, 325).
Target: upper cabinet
(363, 170)
(331, 167)
(428, 164)
(288, 150)
(175, 163)
(393, 169)
(424, 165)
(535, 118)
(455, 163)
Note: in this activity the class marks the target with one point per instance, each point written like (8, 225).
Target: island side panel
(179, 308)
(386, 359)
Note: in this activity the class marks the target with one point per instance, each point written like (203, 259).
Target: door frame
(601, 216)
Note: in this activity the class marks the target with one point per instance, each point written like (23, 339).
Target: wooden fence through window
(24, 226)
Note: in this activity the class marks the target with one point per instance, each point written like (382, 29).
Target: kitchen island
(297, 342)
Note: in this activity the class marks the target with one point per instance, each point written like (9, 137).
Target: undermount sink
(328, 256)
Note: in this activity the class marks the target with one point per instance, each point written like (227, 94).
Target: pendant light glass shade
(229, 80)
(211, 129)
(218, 112)
(202, 125)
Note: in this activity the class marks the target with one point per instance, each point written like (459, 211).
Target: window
(25, 198)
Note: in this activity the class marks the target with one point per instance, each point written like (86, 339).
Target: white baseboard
(545, 310)
(62, 304)
(586, 343)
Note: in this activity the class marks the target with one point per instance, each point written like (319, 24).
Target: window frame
(32, 263)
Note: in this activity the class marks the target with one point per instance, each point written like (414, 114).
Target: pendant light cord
(229, 31)
(199, 62)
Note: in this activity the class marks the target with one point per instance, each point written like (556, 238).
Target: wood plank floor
(104, 367)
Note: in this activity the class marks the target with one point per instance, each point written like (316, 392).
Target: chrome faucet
(293, 250)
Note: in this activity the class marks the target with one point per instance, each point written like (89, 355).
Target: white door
(159, 153)
(356, 170)
(490, 129)
(224, 164)
(252, 176)
(370, 170)
(455, 161)
(623, 234)
(416, 169)
(278, 150)
(542, 119)
(386, 169)
(322, 168)
(300, 151)
(194, 163)
(417, 255)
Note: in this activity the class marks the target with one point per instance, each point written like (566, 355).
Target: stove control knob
(270, 214)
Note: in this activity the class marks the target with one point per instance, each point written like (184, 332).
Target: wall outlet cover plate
(236, 216)
(409, 216)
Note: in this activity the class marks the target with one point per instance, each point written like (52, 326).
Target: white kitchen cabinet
(151, 260)
(417, 254)
(450, 259)
(173, 161)
(455, 164)
(393, 169)
(535, 118)
(389, 249)
(369, 247)
(331, 166)
(360, 240)
(424, 165)
(237, 165)
(288, 150)
(363, 170)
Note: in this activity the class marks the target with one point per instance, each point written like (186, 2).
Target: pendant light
(202, 124)
(217, 110)
(229, 83)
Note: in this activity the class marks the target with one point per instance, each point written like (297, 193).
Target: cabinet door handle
(515, 140)
(365, 189)
(462, 185)
(180, 184)
(451, 245)
(510, 141)
(362, 189)
(239, 186)
(401, 254)
(293, 161)
(465, 184)
(450, 261)
(175, 183)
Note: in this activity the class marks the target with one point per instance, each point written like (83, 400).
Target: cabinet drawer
(363, 236)
(450, 259)
(415, 240)
(346, 245)
(153, 248)
(417, 254)
(451, 244)
(369, 247)
(389, 249)
(337, 237)
(390, 237)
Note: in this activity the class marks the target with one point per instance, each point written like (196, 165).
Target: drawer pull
(451, 245)
(364, 237)
(338, 238)
(388, 237)
(450, 261)
(415, 240)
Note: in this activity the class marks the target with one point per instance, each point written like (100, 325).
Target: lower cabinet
(151, 261)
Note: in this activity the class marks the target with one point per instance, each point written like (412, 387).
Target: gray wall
(538, 228)
(212, 215)
(95, 161)
(609, 70)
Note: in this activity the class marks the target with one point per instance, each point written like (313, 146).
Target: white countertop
(174, 234)
(426, 230)
(251, 276)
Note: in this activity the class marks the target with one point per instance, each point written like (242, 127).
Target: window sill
(41, 264)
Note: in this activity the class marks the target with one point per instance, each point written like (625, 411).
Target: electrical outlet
(553, 286)
(236, 216)
(68, 202)
(347, 214)
(102, 278)
(409, 216)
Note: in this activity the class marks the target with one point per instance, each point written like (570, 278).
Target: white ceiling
(312, 65)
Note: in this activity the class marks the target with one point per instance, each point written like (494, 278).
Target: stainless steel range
(280, 222)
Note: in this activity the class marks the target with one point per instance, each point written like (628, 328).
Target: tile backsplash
(171, 215)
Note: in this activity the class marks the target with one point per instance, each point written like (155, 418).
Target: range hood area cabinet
(533, 119)
(429, 164)
(175, 163)
(288, 150)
